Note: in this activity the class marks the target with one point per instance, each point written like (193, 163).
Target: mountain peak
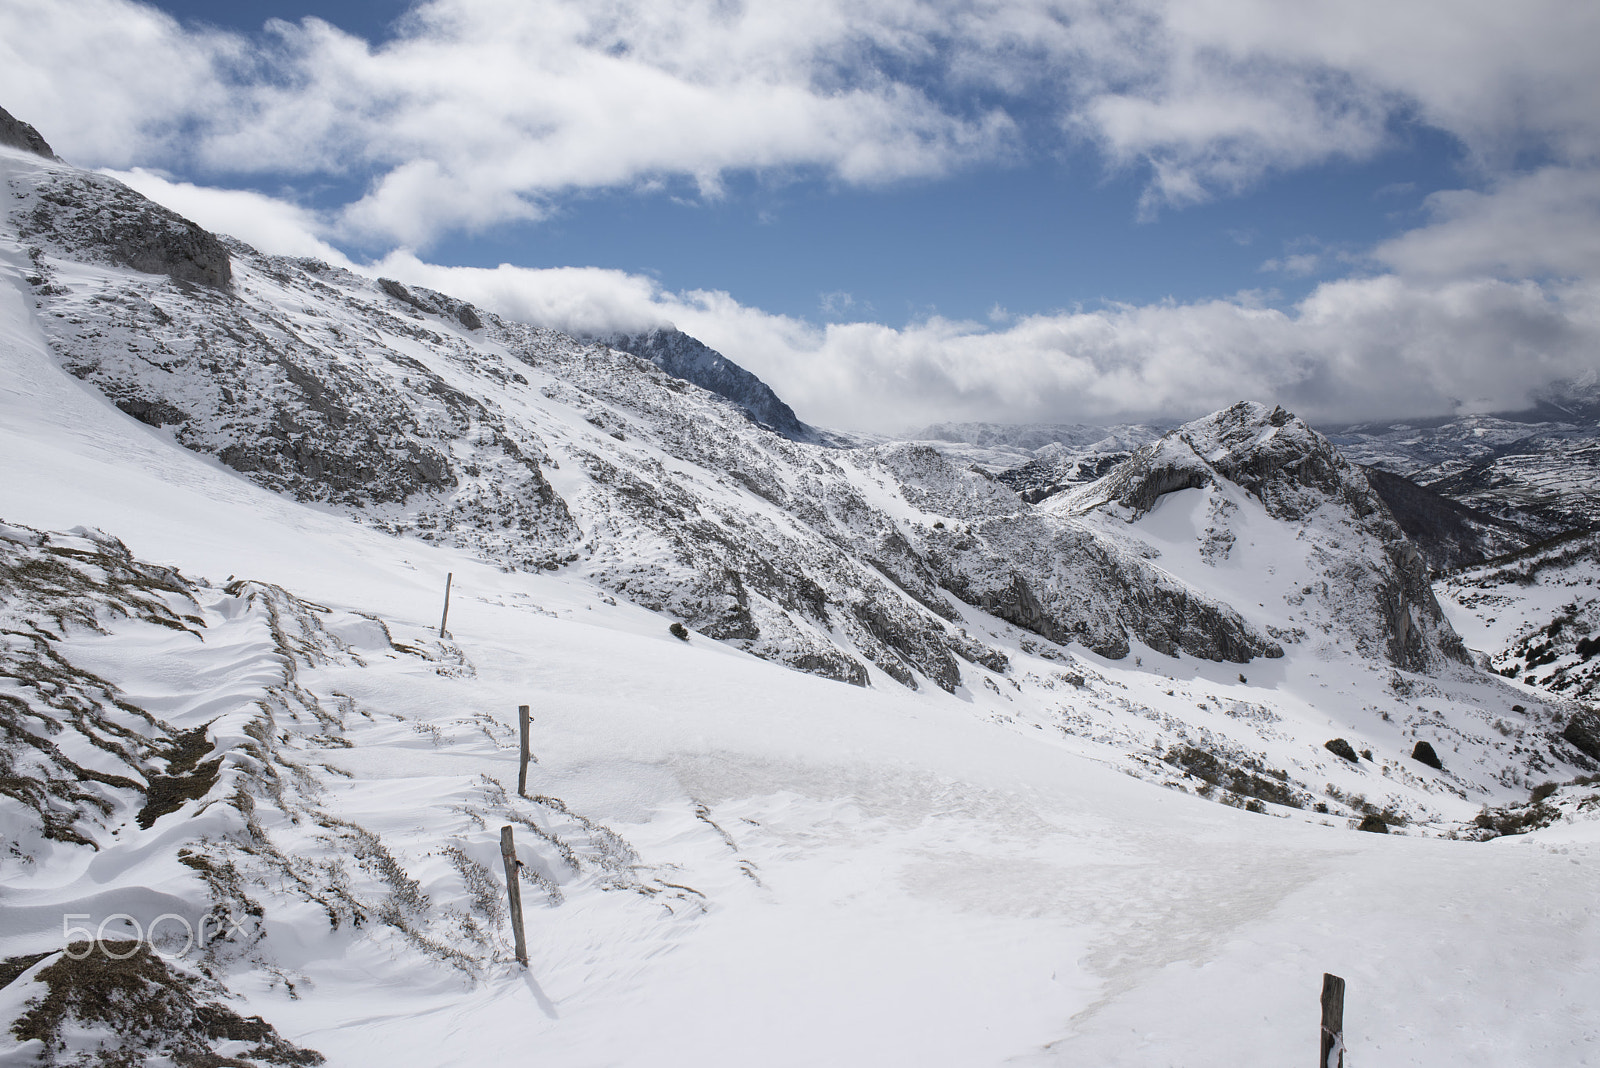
(692, 360)
(18, 134)
(1269, 452)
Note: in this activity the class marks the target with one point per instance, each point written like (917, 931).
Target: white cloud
(1353, 349)
(1232, 88)
(579, 300)
(110, 82)
(1295, 265)
(1540, 224)
(483, 111)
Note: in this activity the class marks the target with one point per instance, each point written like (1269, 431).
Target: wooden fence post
(522, 775)
(448, 578)
(508, 853)
(1332, 1022)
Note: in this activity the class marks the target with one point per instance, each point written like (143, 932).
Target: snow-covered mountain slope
(887, 877)
(1063, 452)
(1541, 478)
(724, 861)
(1348, 571)
(1536, 614)
(421, 415)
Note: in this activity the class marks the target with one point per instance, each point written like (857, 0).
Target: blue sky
(1052, 228)
(900, 212)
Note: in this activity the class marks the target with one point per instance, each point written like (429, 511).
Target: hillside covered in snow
(842, 755)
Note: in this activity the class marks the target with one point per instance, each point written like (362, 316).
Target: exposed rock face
(99, 218)
(18, 134)
(692, 360)
(425, 300)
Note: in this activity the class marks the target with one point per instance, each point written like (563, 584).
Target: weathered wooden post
(1332, 1022)
(508, 853)
(523, 720)
(448, 578)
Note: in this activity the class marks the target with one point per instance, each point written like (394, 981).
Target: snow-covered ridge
(420, 415)
(1368, 580)
(410, 411)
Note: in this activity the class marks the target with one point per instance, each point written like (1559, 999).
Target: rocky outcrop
(692, 360)
(98, 218)
(18, 134)
(1276, 458)
(429, 302)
